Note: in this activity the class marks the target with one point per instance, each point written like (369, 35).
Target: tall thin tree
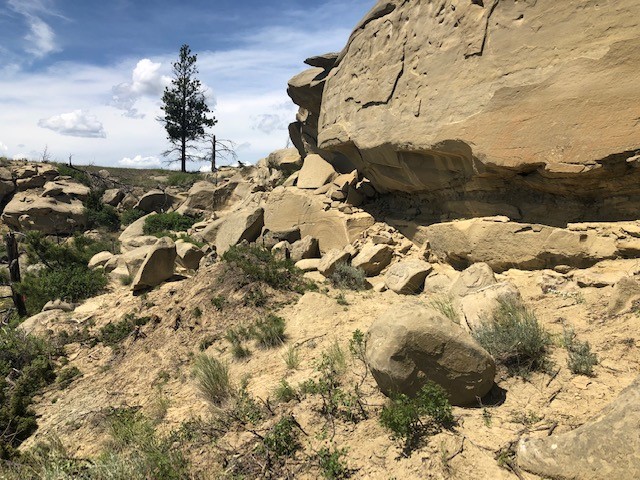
(185, 107)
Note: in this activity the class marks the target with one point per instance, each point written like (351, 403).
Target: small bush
(285, 392)
(66, 376)
(212, 379)
(259, 265)
(131, 215)
(515, 339)
(236, 337)
(269, 331)
(410, 419)
(346, 276)
(126, 280)
(113, 334)
(162, 223)
(78, 175)
(183, 179)
(282, 440)
(331, 463)
(581, 360)
(100, 215)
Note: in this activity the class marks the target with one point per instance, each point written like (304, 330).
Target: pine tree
(185, 107)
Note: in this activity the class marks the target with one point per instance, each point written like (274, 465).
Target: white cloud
(141, 162)
(146, 81)
(74, 124)
(41, 39)
(3, 147)
(270, 122)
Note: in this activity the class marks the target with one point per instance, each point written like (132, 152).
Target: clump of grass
(444, 305)
(581, 359)
(197, 312)
(212, 379)
(269, 331)
(236, 337)
(206, 342)
(342, 300)
(347, 276)
(515, 339)
(292, 358)
(410, 419)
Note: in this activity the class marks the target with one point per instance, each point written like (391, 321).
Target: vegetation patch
(131, 215)
(581, 359)
(100, 215)
(113, 334)
(515, 339)
(163, 223)
(212, 379)
(349, 277)
(410, 419)
(183, 179)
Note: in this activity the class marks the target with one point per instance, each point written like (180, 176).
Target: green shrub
(581, 359)
(236, 337)
(212, 379)
(346, 276)
(100, 215)
(331, 463)
(67, 171)
(113, 334)
(162, 223)
(282, 440)
(269, 331)
(26, 366)
(131, 215)
(259, 265)
(410, 419)
(284, 392)
(66, 376)
(515, 339)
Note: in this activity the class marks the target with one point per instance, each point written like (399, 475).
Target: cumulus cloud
(74, 124)
(146, 81)
(3, 148)
(141, 162)
(270, 122)
(41, 39)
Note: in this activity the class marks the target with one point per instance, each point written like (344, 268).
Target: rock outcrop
(158, 265)
(411, 344)
(487, 108)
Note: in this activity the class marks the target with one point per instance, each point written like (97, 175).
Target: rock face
(411, 344)
(157, 266)
(133, 236)
(606, 447)
(30, 211)
(243, 224)
(315, 172)
(206, 196)
(481, 99)
(373, 259)
(155, 201)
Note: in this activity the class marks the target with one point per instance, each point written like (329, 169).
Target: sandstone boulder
(410, 344)
(58, 305)
(503, 244)
(373, 259)
(112, 196)
(407, 276)
(133, 236)
(157, 266)
(477, 276)
(243, 224)
(478, 307)
(606, 447)
(100, 259)
(155, 201)
(66, 188)
(305, 248)
(289, 208)
(315, 172)
(30, 211)
(308, 264)
(206, 196)
(287, 160)
(331, 260)
(188, 255)
(625, 293)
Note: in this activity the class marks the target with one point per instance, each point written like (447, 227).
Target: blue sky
(85, 77)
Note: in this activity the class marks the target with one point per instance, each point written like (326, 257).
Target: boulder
(326, 61)
(331, 260)
(625, 294)
(281, 250)
(100, 259)
(112, 196)
(188, 255)
(503, 244)
(289, 208)
(243, 224)
(606, 447)
(157, 266)
(131, 260)
(133, 236)
(373, 259)
(305, 248)
(155, 201)
(206, 196)
(308, 264)
(287, 160)
(315, 172)
(477, 276)
(473, 97)
(407, 276)
(66, 188)
(411, 344)
(30, 211)
(58, 305)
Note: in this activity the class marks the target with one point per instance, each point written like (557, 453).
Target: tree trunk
(213, 155)
(183, 157)
(14, 273)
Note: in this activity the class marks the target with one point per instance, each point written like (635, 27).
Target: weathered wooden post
(14, 272)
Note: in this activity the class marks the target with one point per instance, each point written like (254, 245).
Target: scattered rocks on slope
(331, 260)
(411, 344)
(606, 447)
